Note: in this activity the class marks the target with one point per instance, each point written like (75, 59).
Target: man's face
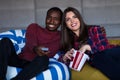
(53, 20)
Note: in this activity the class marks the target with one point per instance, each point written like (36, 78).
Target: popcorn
(78, 61)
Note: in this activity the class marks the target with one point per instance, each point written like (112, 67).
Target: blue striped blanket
(56, 71)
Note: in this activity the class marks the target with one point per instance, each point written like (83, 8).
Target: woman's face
(72, 22)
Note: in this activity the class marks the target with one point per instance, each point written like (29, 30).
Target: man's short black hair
(57, 10)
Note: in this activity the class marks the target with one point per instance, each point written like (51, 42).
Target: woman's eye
(74, 16)
(67, 19)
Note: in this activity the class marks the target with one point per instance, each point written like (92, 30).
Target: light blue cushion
(56, 71)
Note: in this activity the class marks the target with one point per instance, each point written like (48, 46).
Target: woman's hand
(40, 52)
(68, 55)
(85, 47)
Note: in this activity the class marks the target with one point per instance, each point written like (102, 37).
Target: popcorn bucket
(78, 61)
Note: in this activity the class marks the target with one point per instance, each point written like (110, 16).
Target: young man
(33, 59)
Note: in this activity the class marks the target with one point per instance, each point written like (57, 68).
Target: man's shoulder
(34, 26)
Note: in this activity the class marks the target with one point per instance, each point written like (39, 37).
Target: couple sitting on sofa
(74, 34)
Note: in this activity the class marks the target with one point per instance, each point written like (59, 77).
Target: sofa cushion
(115, 41)
(56, 71)
(88, 73)
(17, 37)
(91, 73)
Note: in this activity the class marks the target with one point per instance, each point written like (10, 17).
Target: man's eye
(57, 19)
(48, 17)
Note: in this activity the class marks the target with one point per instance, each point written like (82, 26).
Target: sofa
(57, 70)
(91, 73)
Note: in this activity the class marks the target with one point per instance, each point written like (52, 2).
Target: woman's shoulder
(94, 28)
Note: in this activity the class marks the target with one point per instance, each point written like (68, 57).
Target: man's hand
(39, 50)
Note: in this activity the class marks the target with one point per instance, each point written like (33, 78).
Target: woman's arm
(97, 39)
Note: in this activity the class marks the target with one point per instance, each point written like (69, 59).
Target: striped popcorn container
(78, 61)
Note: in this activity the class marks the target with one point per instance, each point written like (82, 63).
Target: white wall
(105, 13)
(16, 13)
(43, 5)
(20, 13)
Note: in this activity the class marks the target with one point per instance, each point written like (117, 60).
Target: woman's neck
(77, 33)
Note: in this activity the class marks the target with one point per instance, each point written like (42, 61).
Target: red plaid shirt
(97, 40)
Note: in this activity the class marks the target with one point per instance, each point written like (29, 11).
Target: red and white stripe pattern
(78, 61)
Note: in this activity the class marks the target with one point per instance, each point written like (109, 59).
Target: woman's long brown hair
(67, 39)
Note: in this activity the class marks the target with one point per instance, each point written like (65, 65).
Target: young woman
(90, 40)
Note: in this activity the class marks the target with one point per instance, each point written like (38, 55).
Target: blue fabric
(56, 71)
(17, 37)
